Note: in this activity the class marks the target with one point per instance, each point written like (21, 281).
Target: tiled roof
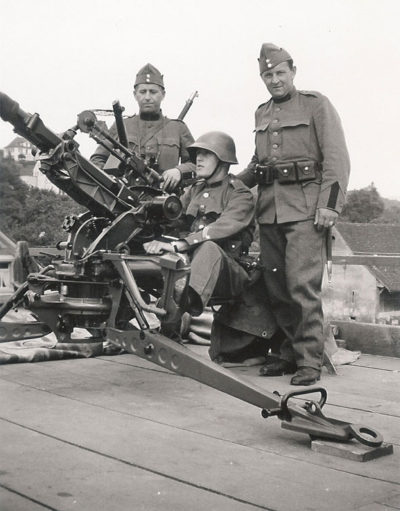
(16, 142)
(375, 239)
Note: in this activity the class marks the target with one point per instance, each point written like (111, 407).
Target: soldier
(301, 166)
(160, 141)
(218, 216)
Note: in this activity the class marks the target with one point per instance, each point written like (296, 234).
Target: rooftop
(375, 239)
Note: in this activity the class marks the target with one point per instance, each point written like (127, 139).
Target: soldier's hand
(325, 218)
(172, 178)
(158, 247)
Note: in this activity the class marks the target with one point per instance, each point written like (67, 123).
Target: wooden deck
(118, 433)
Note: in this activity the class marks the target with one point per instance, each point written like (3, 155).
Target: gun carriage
(104, 282)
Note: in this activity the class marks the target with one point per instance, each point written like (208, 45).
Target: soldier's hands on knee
(325, 218)
(171, 179)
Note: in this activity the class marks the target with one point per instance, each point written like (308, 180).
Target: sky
(59, 58)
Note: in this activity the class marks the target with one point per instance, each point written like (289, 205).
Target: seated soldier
(219, 221)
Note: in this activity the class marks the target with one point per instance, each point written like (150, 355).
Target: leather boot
(278, 368)
(306, 376)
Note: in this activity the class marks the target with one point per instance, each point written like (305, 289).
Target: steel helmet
(217, 142)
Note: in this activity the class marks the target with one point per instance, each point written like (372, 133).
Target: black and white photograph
(199, 255)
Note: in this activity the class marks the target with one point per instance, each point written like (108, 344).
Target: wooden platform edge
(351, 450)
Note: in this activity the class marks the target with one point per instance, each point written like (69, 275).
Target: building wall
(7, 251)
(353, 292)
(24, 148)
(6, 287)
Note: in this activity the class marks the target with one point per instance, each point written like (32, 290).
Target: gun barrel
(29, 126)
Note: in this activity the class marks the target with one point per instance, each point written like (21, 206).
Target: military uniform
(219, 221)
(300, 164)
(158, 140)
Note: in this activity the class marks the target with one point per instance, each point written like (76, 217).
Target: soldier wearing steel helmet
(160, 141)
(301, 166)
(218, 223)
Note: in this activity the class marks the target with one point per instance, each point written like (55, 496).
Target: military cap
(271, 55)
(149, 74)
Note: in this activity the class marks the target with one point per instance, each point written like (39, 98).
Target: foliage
(391, 215)
(363, 206)
(31, 214)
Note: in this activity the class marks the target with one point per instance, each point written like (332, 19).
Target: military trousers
(293, 255)
(215, 273)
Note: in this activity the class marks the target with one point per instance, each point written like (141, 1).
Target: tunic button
(275, 120)
(278, 108)
(274, 158)
(274, 146)
(206, 195)
(275, 133)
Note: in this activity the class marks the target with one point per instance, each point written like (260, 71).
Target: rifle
(102, 279)
(187, 106)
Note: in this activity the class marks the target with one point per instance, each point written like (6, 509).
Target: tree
(29, 213)
(363, 206)
(12, 196)
(391, 215)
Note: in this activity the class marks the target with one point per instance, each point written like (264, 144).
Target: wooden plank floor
(118, 433)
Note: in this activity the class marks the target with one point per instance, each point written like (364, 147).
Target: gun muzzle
(9, 109)
(29, 126)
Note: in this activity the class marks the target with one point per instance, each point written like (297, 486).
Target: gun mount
(104, 282)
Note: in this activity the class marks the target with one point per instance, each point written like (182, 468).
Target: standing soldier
(301, 166)
(160, 141)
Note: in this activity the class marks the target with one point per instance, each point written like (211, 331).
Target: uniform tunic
(219, 220)
(162, 140)
(303, 127)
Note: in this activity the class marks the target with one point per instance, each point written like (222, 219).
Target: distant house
(364, 293)
(7, 252)
(20, 150)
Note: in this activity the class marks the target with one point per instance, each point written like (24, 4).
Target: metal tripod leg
(162, 351)
(306, 418)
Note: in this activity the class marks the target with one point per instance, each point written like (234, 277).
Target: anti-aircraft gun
(105, 283)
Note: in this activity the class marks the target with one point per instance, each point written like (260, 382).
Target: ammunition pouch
(287, 173)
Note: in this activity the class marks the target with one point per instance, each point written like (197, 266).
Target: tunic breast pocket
(296, 136)
(262, 143)
(169, 151)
